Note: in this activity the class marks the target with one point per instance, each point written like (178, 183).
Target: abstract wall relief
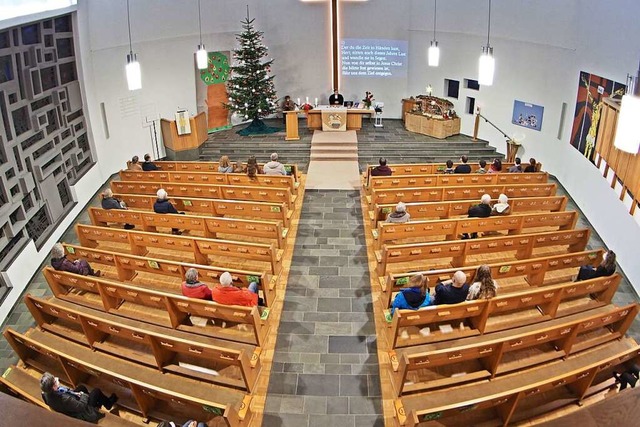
(592, 90)
(44, 141)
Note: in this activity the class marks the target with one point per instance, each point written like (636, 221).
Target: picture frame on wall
(527, 115)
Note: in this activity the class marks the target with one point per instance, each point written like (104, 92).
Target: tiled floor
(325, 369)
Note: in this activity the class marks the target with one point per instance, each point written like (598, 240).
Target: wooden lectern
(184, 147)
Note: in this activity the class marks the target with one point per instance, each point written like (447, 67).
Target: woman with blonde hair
(484, 286)
(414, 296)
(225, 165)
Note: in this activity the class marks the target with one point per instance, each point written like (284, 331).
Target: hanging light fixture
(201, 53)
(434, 50)
(134, 76)
(487, 62)
(628, 129)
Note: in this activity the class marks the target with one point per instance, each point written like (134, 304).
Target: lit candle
(316, 101)
(307, 101)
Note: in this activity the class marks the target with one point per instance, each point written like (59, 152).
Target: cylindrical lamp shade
(201, 57)
(486, 68)
(134, 76)
(628, 129)
(434, 54)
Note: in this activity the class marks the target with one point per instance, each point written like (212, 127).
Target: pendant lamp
(487, 62)
(132, 69)
(201, 53)
(434, 50)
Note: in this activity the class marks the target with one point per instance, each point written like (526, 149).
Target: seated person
(110, 202)
(399, 215)
(162, 205)
(148, 165)
(224, 165)
(452, 291)
(228, 294)
(483, 165)
(252, 168)
(413, 297)
(484, 286)
(134, 165)
(60, 262)
(627, 378)
(463, 167)
(274, 167)
(481, 210)
(77, 403)
(382, 169)
(194, 288)
(336, 98)
(532, 166)
(517, 167)
(502, 207)
(449, 168)
(606, 268)
(496, 166)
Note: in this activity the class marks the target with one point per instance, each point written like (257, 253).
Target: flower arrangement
(368, 99)
(306, 107)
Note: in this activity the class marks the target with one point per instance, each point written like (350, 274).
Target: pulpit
(186, 146)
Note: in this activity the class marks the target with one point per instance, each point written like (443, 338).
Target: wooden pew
(198, 249)
(215, 207)
(497, 353)
(128, 266)
(160, 350)
(579, 376)
(207, 191)
(533, 270)
(505, 311)
(419, 254)
(400, 169)
(449, 209)
(195, 177)
(451, 229)
(207, 226)
(141, 389)
(469, 192)
(291, 168)
(20, 382)
(160, 308)
(444, 180)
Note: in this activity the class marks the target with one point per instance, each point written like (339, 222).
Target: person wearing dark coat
(463, 167)
(110, 202)
(606, 268)
(382, 169)
(77, 403)
(148, 165)
(452, 291)
(162, 205)
(481, 210)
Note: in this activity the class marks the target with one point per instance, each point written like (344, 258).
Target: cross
(335, 39)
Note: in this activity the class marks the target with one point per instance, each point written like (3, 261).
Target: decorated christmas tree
(251, 91)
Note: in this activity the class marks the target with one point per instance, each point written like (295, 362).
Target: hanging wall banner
(182, 122)
(527, 115)
(211, 90)
(592, 90)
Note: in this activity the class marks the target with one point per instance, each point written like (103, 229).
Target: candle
(307, 101)
(316, 101)
(298, 101)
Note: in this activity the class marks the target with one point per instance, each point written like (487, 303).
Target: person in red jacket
(193, 288)
(228, 294)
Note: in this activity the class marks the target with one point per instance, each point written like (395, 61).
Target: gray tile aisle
(325, 369)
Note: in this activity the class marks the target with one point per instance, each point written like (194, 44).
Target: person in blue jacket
(413, 297)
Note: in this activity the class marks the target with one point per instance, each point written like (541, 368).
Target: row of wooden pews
(542, 344)
(130, 331)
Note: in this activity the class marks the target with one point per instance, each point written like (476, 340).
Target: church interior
(401, 213)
